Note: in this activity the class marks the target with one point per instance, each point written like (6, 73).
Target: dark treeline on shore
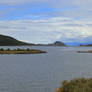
(20, 51)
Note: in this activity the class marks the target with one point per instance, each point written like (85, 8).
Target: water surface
(43, 72)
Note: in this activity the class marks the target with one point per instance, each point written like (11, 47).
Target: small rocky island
(89, 51)
(21, 51)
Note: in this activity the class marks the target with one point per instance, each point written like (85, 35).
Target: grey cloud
(74, 25)
(17, 2)
(34, 31)
(54, 3)
(66, 8)
(8, 27)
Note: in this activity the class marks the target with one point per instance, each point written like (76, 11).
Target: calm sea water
(43, 72)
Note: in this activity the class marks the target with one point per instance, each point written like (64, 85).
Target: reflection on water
(43, 72)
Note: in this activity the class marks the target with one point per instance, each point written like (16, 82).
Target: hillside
(10, 41)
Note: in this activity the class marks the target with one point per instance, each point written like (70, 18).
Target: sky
(47, 21)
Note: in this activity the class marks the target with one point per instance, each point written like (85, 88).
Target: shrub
(28, 49)
(18, 49)
(8, 49)
(76, 85)
(1, 49)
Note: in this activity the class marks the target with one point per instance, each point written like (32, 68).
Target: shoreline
(21, 51)
(89, 51)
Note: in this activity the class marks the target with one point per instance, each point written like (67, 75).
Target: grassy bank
(21, 51)
(76, 85)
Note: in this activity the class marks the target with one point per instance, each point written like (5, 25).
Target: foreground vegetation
(20, 51)
(76, 85)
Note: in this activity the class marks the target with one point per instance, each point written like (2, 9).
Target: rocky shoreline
(89, 51)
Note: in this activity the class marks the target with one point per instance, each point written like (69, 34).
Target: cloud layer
(49, 30)
(45, 21)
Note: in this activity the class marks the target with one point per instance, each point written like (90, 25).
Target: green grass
(76, 85)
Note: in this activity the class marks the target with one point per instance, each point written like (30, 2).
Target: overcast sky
(46, 21)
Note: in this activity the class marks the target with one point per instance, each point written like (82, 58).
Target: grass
(76, 85)
(21, 51)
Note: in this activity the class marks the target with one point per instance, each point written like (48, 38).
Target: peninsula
(86, 45)
(10, 41)
(89, 51)
(21, 51)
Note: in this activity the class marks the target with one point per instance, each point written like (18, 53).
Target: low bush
(76, 85)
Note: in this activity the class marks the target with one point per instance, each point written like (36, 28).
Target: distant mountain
(10, 41)
(57, 43)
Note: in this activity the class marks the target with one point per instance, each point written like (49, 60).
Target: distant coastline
(10, 41)
(86, 45)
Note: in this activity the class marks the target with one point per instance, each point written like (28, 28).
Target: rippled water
(43, 72)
